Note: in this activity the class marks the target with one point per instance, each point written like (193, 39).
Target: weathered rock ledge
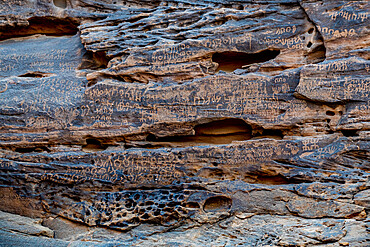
(184, 123)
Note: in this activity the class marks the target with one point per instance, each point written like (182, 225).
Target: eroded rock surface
(184, 123)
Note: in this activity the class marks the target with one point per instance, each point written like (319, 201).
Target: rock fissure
(229, 61)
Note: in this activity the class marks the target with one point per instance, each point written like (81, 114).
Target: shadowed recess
(93, 145)
(216, 132)
(36, 74)
(349, 133)
(41, 25)
(222, 127)
(94, 60)
(230, 60)
(317, 55)
(272, 133)
(217, 203)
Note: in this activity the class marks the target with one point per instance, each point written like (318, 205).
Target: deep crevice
(36, 74)
(272, 133)
(230, 60)
(94, 60)
(60, 3)
(41, 25)
(330, 113)
(349, 133)
(222, 127)
(93, 145)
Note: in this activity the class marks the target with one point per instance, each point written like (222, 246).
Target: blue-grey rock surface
(184, 123)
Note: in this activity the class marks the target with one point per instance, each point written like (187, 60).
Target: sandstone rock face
(184, 123)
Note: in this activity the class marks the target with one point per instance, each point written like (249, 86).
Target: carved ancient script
(184, 123)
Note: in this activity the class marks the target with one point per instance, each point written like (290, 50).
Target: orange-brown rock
(184, 123)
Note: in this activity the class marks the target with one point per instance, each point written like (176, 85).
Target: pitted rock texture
(184, 123)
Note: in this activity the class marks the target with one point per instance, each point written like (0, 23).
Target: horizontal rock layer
(184, 123)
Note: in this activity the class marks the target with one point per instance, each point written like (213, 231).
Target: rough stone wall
(184, 123)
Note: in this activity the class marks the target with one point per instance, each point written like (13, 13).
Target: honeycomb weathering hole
(60, 3)
(217, 203)
(230, 60)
